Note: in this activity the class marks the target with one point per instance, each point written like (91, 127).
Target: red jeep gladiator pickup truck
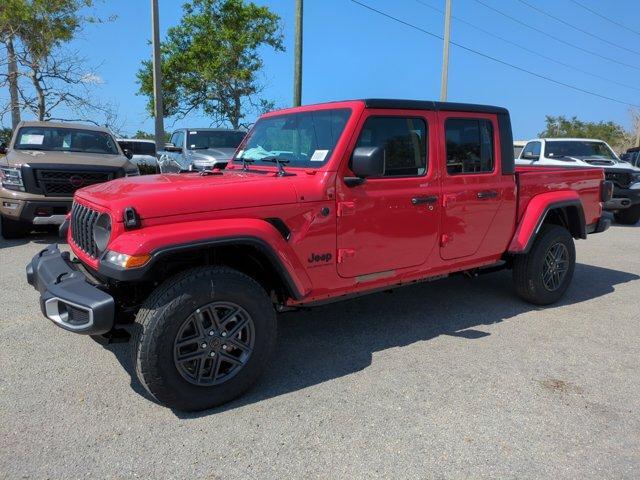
(320, 203)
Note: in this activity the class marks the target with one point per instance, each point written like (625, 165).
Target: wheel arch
(250, 255)
(566, 212)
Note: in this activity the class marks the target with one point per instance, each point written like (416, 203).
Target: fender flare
(537, 211)
(162, 240)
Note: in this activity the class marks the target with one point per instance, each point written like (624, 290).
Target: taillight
(606, 190)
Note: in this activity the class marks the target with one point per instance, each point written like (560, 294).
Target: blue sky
(351, 52)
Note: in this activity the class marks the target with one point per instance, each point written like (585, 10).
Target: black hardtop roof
(400, 104)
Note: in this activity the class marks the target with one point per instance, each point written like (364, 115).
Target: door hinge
(344, 253)
(346, 208)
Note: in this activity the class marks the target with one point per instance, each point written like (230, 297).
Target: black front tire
(12, 229)
(529, 268)
(161, 318)
(630, 216)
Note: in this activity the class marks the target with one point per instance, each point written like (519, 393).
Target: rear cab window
(469, 146)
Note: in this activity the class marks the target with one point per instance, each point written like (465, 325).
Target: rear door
(391, 222)
(472, 185)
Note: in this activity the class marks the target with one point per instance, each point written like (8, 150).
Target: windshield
(203, 139)
(305, 139)
(577, 148)
(61, 139)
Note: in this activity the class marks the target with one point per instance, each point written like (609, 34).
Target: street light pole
(158, 110)
(297, 69)
(445, 52)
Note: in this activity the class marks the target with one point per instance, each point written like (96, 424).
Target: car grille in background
(620, 179)
(82, 221)
(65, 182)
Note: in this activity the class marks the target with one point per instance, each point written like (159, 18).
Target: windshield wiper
(246, 162)
(280, 162)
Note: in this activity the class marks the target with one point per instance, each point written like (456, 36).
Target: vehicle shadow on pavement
(43, 237)
(332, 341)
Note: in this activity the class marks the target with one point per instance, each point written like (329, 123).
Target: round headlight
(102, 231)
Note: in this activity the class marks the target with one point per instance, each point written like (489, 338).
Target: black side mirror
(127, 153)
(368, 162)
(3, 148)
(170, 147)
(530, 156)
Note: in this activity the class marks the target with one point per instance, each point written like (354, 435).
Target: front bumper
(67, 298)
(623, 198)
(37, 212)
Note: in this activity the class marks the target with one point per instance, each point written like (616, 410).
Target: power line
(527, 49)
(497, 60)
(557, 39)
(581, 5)
(582, 30)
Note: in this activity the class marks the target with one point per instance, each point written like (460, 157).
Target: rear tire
(12, 229)
(177, 322)
(630, 216)
(542, 275)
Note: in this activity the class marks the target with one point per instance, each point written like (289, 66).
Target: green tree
(35, 32)
(612, 133)
(141, 134)
(5, 135)
(211, 61)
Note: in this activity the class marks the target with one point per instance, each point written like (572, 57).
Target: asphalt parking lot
(451, 379)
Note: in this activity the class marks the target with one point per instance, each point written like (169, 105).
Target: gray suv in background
(199, 149)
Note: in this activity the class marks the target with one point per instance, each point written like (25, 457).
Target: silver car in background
(199, 149)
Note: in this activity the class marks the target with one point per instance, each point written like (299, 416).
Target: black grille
(82, 221)
(620, 179)
(76, 316)
(65, 182)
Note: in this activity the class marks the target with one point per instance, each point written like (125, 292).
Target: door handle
(423, 200)
(487, 194)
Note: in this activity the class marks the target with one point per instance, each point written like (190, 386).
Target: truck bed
(532, 181)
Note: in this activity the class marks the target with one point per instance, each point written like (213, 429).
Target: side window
(178, 138)
(469, 146)
(404, 141)
(532, 149)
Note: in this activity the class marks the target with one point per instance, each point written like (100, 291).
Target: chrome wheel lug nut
(212, 354)
(224, 334)
(204, 345)
(211, 333)
(224, 347)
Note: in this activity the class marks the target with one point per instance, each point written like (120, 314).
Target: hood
(608, 165)
(33, 157)
(210, 156)
(187, 193)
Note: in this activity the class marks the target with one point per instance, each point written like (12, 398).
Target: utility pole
(297, 69)
(445, 52)
(13, 81)
(158, 109)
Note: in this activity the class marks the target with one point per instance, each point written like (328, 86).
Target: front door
(471, 186)
(390, 222)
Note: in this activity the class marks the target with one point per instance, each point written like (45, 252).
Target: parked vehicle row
(586, 153)
(320, 203)
(199, 149)
(45, 163)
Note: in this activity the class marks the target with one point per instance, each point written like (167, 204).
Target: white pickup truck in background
(588, 152)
